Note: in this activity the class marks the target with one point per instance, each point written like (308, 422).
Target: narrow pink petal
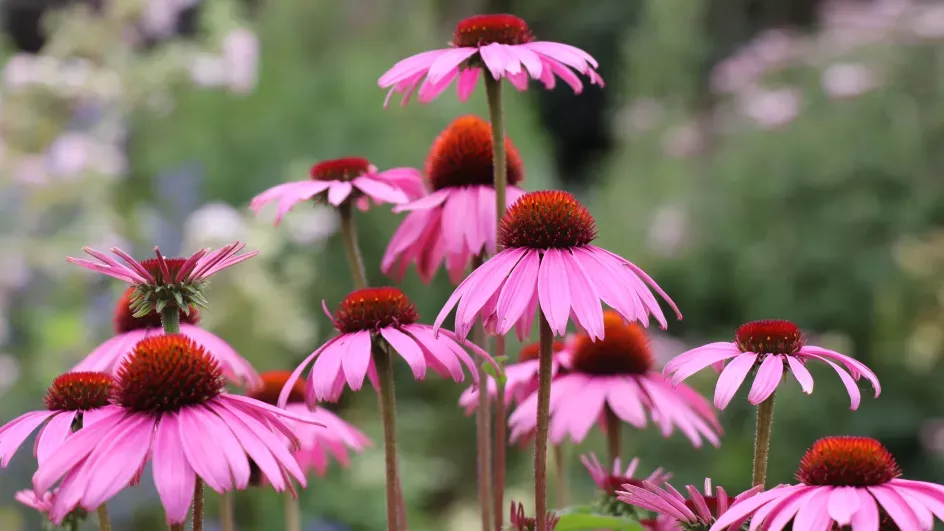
(184, 272)
(866, 518)
(564, 53)
(703, 359)
(519, 80)
(409, 67)
(455, 218)
(855, 397)
(624, 397)
(584, 299)
(133, 267)
(53, 434)
(855, 366)
(433, 200)
(767, 379)
(356, 358)
(496, 60)
(695, 496)
(248, 430)
(489, 278)
(266, 197)
(81, 444)
(117, 459)
(554, 290)
(618, 286)
(298, 193)
(16, 431)
(526, 323)
(120, 274)
(287, 389)
(518, 292)
(528, 58)
(437, 353)
(199, 444)
(327, 369)
(430, 91)
(695, 353)
(486, 215)
(338, 192)
(801, 373)
(447, 63)
(732, 377)
(896, 507)
(475, 231)
(173, 476)
(468, 79)
(380, 191)
(407, 348)
(561, 71)
(407, 234)
(782, 513)
(547, 75)
(577, 412)
(744, 508)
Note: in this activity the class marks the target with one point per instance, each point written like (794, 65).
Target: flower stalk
(499, 448)
(388, 415)
(293, 517)
(170, 319)
(613, 431)
(560, 469)
(227, 521)
(495, 115)
(103, 522)
(483, 424)
(765, 420)
(198, 506)
(351, 247)
(544, 404)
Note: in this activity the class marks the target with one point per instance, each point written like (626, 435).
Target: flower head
(609, 481)
(695, 513)
(774, 348)
(339, 180)
(549, 263)
(171, 409)
(73, 399)
(378, 318)
(521, 379)
(615, 376)
(162, 281)
(520, 522)
(843, 481)
(318, 444)
(504, 45)
(456, 222)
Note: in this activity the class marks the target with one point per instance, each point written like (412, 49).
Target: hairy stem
(176, 527)
(293, 516)
(540, 440)
(388, 413)
(227, 520)
(198, 506)
(170, 319)
(613, 429)
(499, 448)
(495, 115)
(483, 423)
(765, 421)
(560, 469)
(104, 523)
(351, 247)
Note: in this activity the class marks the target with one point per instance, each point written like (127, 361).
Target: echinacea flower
(129, 330)
(695, 513)
(365, 317)
(520, 522)
(171, 410)
(339, 180)
(501, 43)
(521, 378)
(333, 437)
(611, 480)
(844, 482)
(549, 263)
(615, 376)
(456, 222)
(74, 399)
(775, 347)
(162, 281)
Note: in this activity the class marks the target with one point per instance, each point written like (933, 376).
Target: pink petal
(357, 357)
(801, 373)
(199, 444)
(780, 514)
(855, 366)
(117, 459)
(495, 59)
(732, 377)
(564, 53)
(468, 79)
(554, 290)
(698, 352)
(455, 218)
(584, 299)
(624, 397)
(518, 292)
(489, 278)
(766, 380)
(339, 192)
(519, 81)
(564, 73)
(744, 508)
(53, 434)
(696, 363)
(16, 431)
(287, 389)
(430, 91)
(447, 62)
(437, 352)
(81, 444)
(380, 191)
(854, 396)
(235, 367)
(108, 356)
(843, 503)
(173, 476)
(813, 514)
(409, 67)
(327, 369)
(896, 507)
(866, 518)
(408, 350)
(431, 201)
(528, 58)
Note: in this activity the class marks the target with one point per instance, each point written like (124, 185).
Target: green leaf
(579, 520)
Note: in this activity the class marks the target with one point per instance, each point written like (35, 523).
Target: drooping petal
(53, 434)
(200, 447)
(287, 389)
(554, 291)
(468, 79)
(896, 507)
(855, 366)
(108, 356)
(732, 377)
(744, 508)
(447, 62)
(16, 431)
(695, 353)
(801, 373)
(81, 444)
(518, 292)
(704, 358)
(408, 349)
(356, 358)
(496, 60)
(379, 191)
(766, 380)
(173, 476)
(117, 459)
(585, 301)
(409, 67)
(338, 192)
(855, 397)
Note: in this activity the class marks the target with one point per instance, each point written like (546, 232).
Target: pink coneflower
(698, 511)
(843, 481)
(521, 378)
(129, 330)
(611, 480)
(166, 282)
(363, 317)
(333, 438)
(338, 180)
(171, 410)
(456, 222)
(548, 262)
(775, 347)
(612, 380)
(74, 399)
(503, 44)
(520, 522)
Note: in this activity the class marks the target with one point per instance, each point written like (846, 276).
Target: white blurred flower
(159, 17)
(771, 108)
(241, 60)
(929, 24)
(213, 224)
(208, 70)
(69, 155)
(310, 226)
(847, 80)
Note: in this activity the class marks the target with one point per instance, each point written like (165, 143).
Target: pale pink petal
(173, 476)
(854, 395)
(766, 380)
(732, 377)
(801, 373)
(488, 279)
(379, 191)
(744, 508)
(617, 286)
(583, 297)
(526, 323)
(855, 366)
(813, 514)
(866, 518)
(519, 81)
(896, 507)
(124, 274)
(410, 67)
(356, 358)
(455, 218)
(704, 358)
(624, 398)
(564, 73)
(287, 389)
(430, 91)
(199, 445)
(53, 434)
(502, 263)
(475, 233)
(518, 292)
(528, 58)
(776, 515)
(117, 459)
(326, 371)
(468, 79)
(338, 192)
(437, 353)
(431, 201)
(448, 62)
(698, 352)
(577, 412)
(408, 349)
(246, 429)
(564, 53)
(554, 290)
(496, 60)
(16, 431)
(108, 356)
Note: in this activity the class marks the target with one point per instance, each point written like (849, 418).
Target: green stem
(765, 420)
(560, 468)
(227, 520)
(198, 506)
(170, 319)
(495, 115)
(613, 429)
(176, 527)
(293, 516)
(351, 247)
(388, 414)
(540, 440)
(499, 447)
(103, 522)
(483, 424)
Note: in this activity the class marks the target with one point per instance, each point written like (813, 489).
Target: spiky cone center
(125, 321)
(167, 373)
(847, 462)
(79, 391)
(343, 169)
(374, 308)
(482, 30)
(462, 156)
(272, 384)
(769, 336)
(166, 291)
(624, 349)
(546, 219)
(531, 351)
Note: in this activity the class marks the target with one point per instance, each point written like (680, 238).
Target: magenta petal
(517, 293)
(447, 62)
(81, 444)
(248, 430)
(843, 503)
(338, 192)
(53, 434)
(896, 507)
(732, 377)
(866, 518)
(554, 290)
(584, 299)
(199, 444)
(287, 389)
(408, 350)
(495, 59)
(855, 397)
(356, 357)
(488, 279)
(766, 380)
(801, 373)
(16, 431)
(235, 367)
(173, 476)
(117, 459)
(379, 191)
(744, 508)
(468, 79)
(409, 67)
(327, 368)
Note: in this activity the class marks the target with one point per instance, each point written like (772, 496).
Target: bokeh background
(760, 158)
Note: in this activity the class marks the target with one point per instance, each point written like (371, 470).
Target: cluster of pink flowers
(154, 393)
